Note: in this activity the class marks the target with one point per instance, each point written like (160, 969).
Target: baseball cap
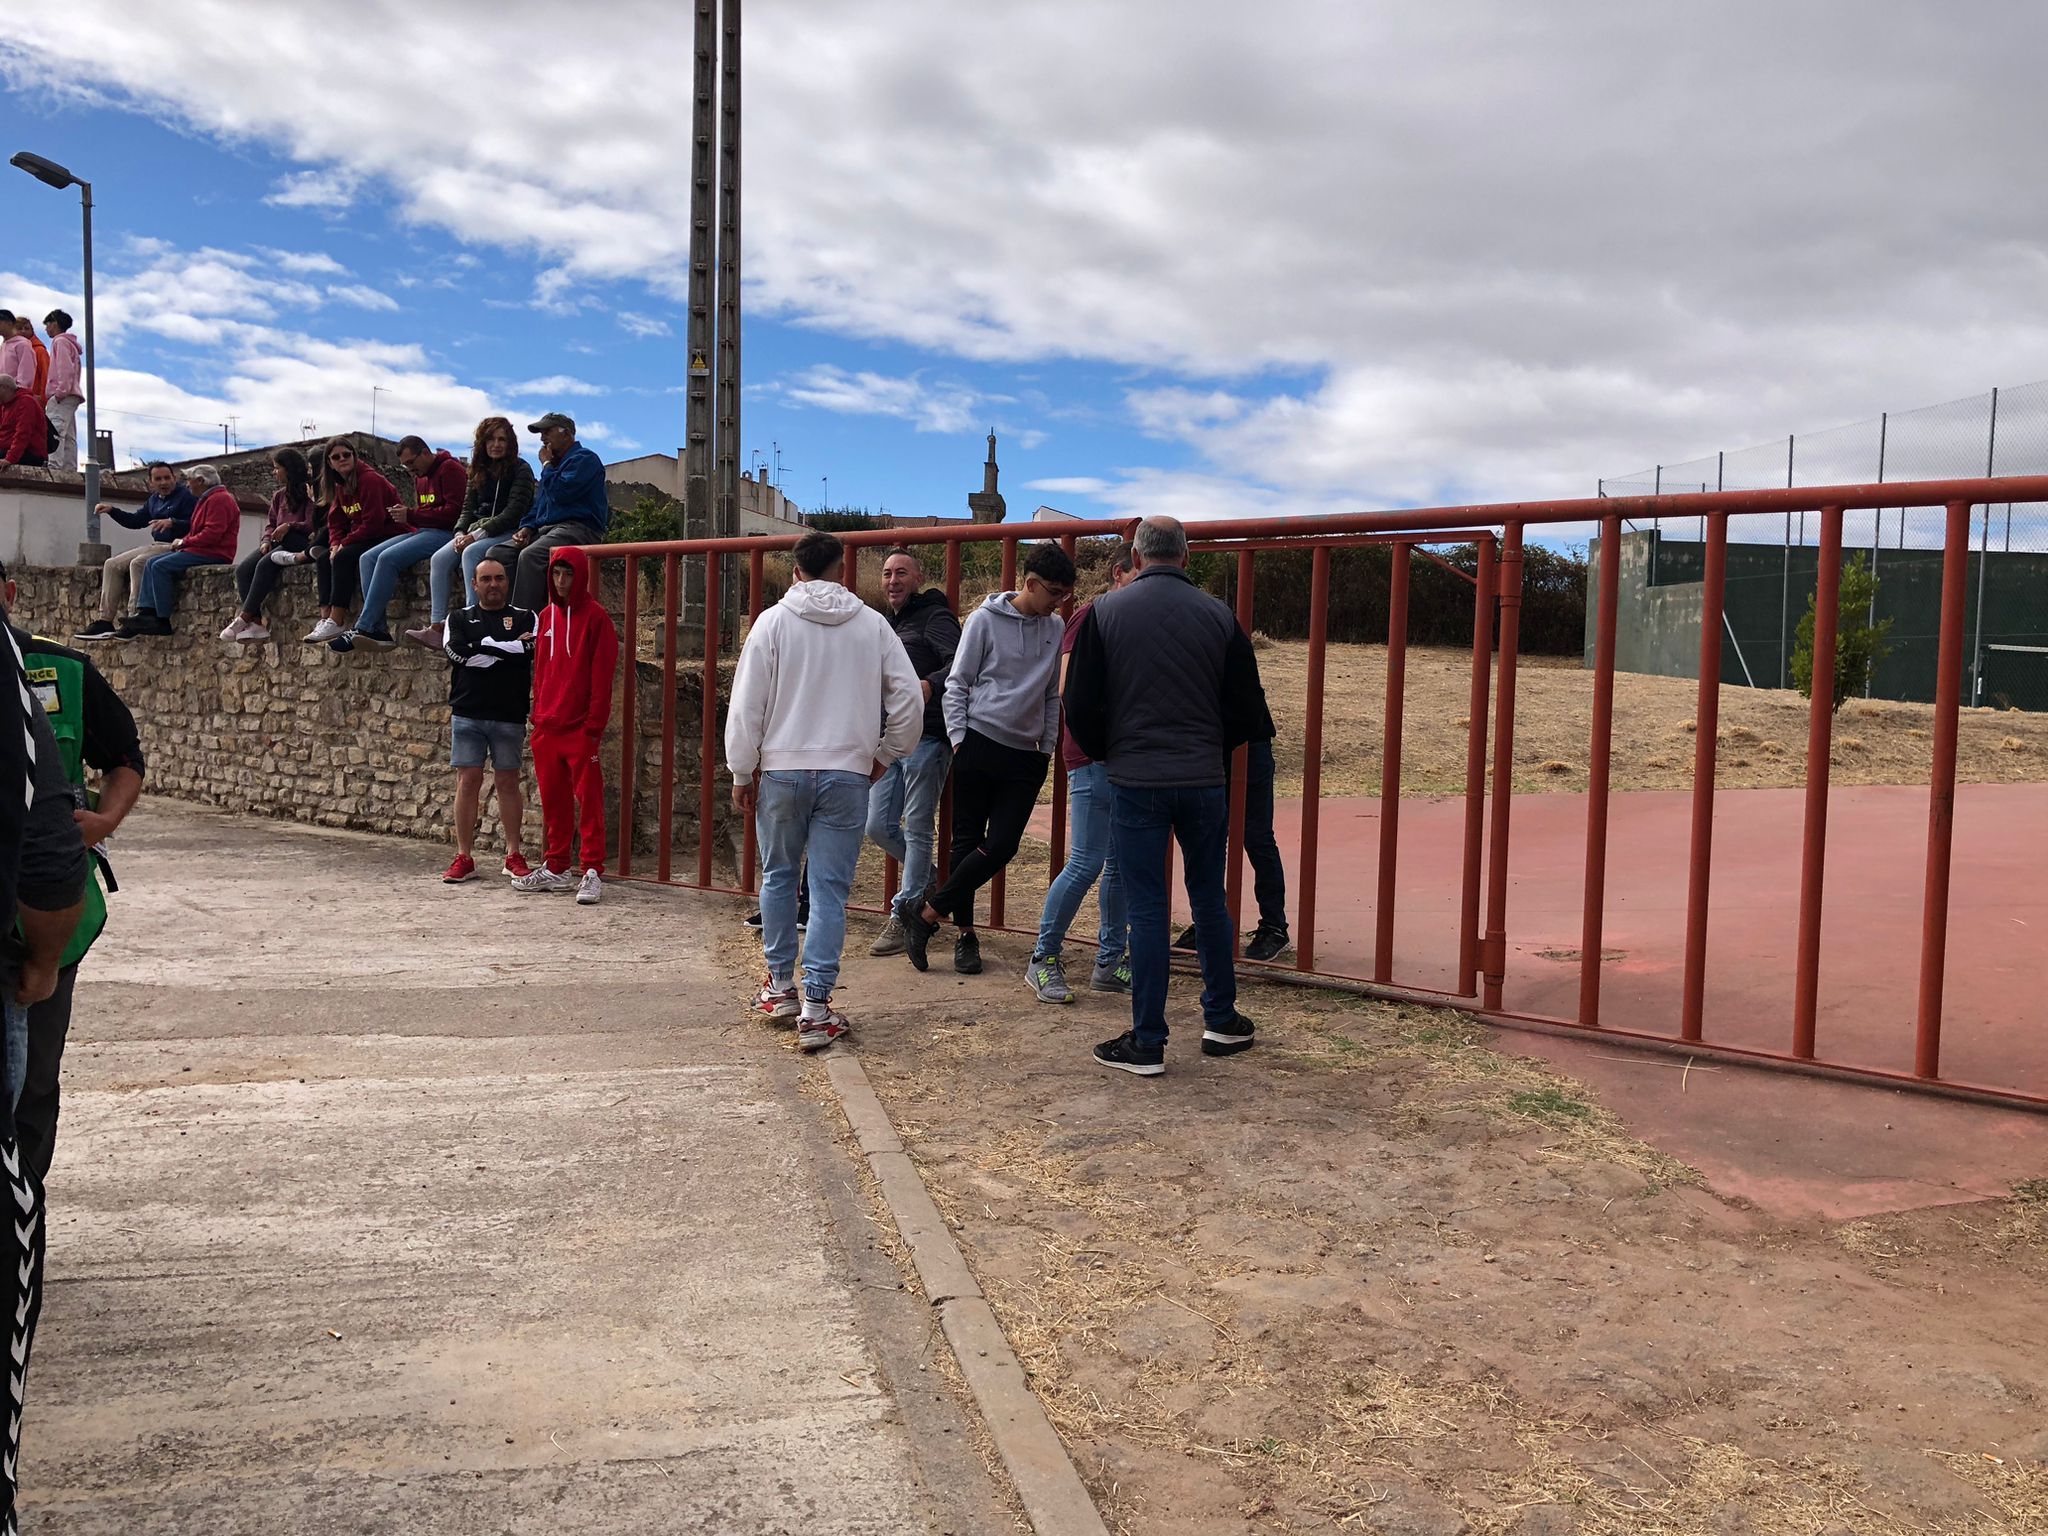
(552, 419)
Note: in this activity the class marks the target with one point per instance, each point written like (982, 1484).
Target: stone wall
(297, 732)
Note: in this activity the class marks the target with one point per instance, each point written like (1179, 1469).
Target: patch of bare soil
(1374, 1276)
(1762, 730)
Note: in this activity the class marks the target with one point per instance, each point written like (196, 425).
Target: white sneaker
(251, 633)
(545, 881)
(815, 1033)
(589, 892)
(324, 631)
(235, 627)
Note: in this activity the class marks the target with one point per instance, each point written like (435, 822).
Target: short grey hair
(205, 474)
(1161, 541)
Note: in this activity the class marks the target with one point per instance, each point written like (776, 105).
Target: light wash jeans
(1090, 853)
(441, 572)
(819, 812)
(386, 562)
(903, 813)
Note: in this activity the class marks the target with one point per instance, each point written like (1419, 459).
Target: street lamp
(51, 174)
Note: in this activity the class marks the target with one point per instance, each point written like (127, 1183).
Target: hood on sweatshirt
(575, 654)
(821, 602)
(579, 566)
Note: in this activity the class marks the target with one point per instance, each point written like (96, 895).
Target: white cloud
(929, 407)
(307, 263)
(329, 191)
(555, 384)
(1069, 485)
(361, 296)
(643, 325)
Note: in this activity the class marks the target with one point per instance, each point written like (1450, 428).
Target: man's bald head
(1160, 541)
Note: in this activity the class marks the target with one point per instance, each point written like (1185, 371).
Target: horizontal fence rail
(695, 574)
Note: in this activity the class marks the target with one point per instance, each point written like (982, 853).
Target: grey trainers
(1112, 978)
(890, 940)
(1047, 978)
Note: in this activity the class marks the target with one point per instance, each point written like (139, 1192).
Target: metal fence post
(1785, 588)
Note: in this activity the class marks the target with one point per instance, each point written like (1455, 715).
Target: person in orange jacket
(575, 657)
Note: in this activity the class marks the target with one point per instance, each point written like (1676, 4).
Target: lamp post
(51, 174)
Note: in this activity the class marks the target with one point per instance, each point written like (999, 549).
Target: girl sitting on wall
(287, 536)
(501, 489)
(356, 501)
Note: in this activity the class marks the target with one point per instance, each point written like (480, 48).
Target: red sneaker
(463, 869)
(516, 867)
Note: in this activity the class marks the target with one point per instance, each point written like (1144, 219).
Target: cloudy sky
(1200, 258)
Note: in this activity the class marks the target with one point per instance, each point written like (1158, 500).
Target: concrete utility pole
(697, 423)
(727, 524)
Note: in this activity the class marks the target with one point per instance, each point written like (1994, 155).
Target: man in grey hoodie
(1003, 719)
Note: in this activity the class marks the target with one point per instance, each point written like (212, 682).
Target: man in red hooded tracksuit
(575, 654)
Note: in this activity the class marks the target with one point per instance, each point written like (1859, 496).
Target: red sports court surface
(1793, 1144)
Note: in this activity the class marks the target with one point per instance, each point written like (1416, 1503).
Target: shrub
(1859, 644)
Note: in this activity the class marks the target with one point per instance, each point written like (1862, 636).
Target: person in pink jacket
(216, 525)
(67, 390)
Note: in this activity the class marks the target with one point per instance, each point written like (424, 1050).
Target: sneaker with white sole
(1112, 978)
(591, 891)
(1047, 978)
(814, 1034)
(235, 628)
(516, 867)
(252, 633)
(773, 1002)
(890, 940)
(1124, 1054)
(544, 881)
(323, 632)
(1229, 1038)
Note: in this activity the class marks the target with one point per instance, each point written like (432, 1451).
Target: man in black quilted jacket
(1163, 685)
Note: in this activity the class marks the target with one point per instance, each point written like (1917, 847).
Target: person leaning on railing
(287, 534)
(500, 492)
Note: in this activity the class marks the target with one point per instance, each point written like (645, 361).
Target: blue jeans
(1269, 875)
(1091, 852)
(386, 562)
(903, 810)
(1199, 819)
(160, 579)
(819, 811)
(441, 573)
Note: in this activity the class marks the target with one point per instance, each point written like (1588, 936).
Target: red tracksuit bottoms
(570, 777)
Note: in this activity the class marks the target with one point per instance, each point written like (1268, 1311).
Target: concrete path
(385, 1205)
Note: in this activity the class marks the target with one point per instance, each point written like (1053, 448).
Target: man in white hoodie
(823, 702)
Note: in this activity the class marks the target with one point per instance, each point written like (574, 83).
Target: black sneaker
(1267, 943)
(1227, 1039)
(753, 920)
(376, 639)
(142, 624)
(918, 935)
(98, 629)
(967, 953)
(803, 913)
(1186, 940)
(1126, 1055)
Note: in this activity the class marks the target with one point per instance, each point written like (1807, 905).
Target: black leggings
(257, 575)
(338, 573)
(995, 789)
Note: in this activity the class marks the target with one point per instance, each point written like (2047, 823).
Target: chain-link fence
(1772, 559)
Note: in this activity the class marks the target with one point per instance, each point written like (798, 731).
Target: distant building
(247, 471)
(763, 507)
(986, 504)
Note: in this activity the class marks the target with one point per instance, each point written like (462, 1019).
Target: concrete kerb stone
(1054, 1498)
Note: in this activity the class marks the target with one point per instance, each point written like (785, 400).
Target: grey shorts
(470, 741)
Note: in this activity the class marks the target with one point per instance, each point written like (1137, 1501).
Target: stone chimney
(986, 505)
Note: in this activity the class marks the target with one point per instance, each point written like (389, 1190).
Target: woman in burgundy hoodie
(575, 655)
(355, 503)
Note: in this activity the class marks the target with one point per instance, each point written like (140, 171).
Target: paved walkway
(384, 1205)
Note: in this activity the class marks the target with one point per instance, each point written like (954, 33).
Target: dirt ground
(1375, 1276)
(1762, 730)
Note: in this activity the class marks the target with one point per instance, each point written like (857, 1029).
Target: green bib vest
(58, 684)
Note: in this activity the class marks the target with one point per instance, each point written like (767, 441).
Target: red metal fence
(1482, 909)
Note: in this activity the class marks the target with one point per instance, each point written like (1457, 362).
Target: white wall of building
(45, 527)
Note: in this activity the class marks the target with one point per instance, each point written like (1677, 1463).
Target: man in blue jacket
(168, 517)
(570, 508)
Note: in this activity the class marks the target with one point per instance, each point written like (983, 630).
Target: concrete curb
(1054, 1499)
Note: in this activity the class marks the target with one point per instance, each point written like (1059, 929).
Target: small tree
(1859, 644)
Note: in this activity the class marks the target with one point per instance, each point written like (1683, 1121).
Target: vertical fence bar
(1312, 760)
(1233, 883)
(1057, 857)
(1494, 955)
(1599, 765)
(998, 888)
(629, 716)
(1941, 794)
(1390, 760)
(671, 578)
(1706, 723)
(707, 740)
(850, 576)
(1820, 717)
(942, 860)
(757, 598)
(1475, 772)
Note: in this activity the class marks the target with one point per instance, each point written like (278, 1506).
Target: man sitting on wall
(216, 526)
(167, 514)
(569, 508)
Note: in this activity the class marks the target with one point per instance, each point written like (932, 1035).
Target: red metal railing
(1498, 532)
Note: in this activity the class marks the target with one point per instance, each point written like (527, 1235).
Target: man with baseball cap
(570, 508)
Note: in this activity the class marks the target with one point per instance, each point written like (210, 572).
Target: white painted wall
(45, 527)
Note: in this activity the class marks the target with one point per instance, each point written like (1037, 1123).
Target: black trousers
(257, 575)
(995, 789)
(338, 573)
(35, 1116)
